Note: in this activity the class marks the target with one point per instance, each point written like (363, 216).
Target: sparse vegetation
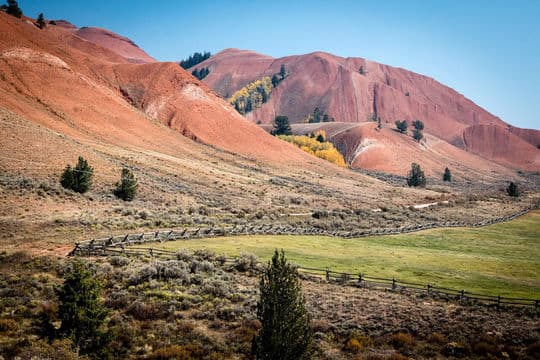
(195, 59)
(79, 178)
(362, 70)
(318, 116)
(401, 126)
(285, 323)
(416, 176)
(127, 187)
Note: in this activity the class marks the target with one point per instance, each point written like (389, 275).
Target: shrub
(285, 323)
(215, 287)
(143, 311)
(417, 135)
(127, 186)
(416, 176)
(512, 189)
(402, 340)
(78, 179)
(118, 260)
(246, 262)
(7, 325)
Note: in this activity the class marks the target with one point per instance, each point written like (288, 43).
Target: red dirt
(335, 85)
(75, 87)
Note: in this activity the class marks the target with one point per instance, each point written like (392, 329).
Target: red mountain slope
(335, 85)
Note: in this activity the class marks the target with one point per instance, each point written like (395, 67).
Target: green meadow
(501, 259)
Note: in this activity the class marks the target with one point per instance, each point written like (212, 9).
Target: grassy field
(500, 259)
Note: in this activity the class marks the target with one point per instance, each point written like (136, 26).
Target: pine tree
(416, 176)
(13, 8)
(81, 312)
(401, 126)
(41, 21)
(362, 71)
(447, 175)
(417, 135)
(78, 179)
(67, 179)
(275, 80)
(285, 332)
(281, 126)
(282, 72)
(418, 125)
(127, 187)
(512, 189)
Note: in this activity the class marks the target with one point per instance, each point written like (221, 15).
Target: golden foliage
(324, 150)
(252, 96)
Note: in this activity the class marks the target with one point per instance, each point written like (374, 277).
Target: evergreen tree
(416, 176)
(285, 332)
(13, 8)
(67, 179)
(127, 187)
(81, 312)
(275, 80)
(362, 71)
(418, 127)
(41, 21)
(379, 123)
(194, 59)
(320, 138)
(281, 126)
(282, 71)
(512, 189)
(78, 179)
(401, 126)
(447, 175)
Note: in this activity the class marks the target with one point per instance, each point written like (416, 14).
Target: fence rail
(272, 229)
(358, 280)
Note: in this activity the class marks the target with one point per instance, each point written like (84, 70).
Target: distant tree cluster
(79, 179)
(194, 59)
(318, 116)
(252, 96)
(12, 8)
(316, 145)
(200, 74)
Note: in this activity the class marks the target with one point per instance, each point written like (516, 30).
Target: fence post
(498, 301)
(429, 289)
(536, 303)
(151, 252)
(393, 284)
(327, 274)
(462, 295)
(360, 279)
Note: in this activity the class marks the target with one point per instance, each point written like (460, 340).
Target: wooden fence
(271, 229)
(346, 279)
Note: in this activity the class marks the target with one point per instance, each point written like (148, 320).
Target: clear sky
(488, 50)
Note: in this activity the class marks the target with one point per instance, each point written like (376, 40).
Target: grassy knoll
(499, 259)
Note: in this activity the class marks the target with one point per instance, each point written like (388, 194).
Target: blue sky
(487, 50)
